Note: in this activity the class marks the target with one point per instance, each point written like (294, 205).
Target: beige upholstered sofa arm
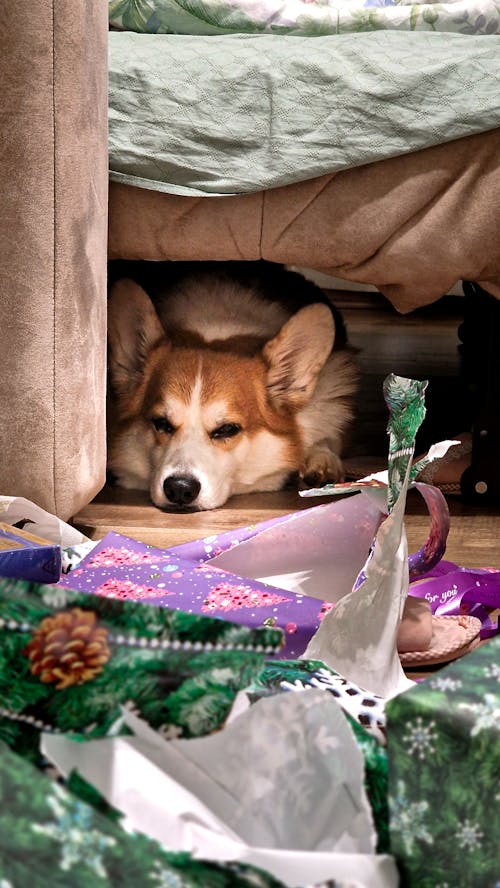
(53, 222)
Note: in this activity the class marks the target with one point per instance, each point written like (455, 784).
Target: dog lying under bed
(233, 377)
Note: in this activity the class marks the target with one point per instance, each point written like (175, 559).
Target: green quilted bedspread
(240, 113)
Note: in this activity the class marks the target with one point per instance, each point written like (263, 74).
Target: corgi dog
(234, 378)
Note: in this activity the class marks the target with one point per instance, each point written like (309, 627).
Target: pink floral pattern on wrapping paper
(126, 589)
(227, 597)
(113, 556)
(182, 578)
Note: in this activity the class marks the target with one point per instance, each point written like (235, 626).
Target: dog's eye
(227, 430)
(163, 425)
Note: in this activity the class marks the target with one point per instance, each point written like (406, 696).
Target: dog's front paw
(321, 466)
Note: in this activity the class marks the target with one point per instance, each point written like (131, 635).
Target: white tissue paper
(281, 788)
(358, 637)
(15, 509)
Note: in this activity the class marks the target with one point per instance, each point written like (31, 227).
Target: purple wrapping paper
(182, 577)
(119, 567)
(421, 563)
(432, 551)
(327, 543)
(452, 590)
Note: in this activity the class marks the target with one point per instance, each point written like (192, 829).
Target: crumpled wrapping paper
(280, 787)
(15, 509)
(358, 637)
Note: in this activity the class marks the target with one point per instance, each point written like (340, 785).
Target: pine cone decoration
(69, 648)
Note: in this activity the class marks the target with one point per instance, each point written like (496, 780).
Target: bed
(372, 155)
(358, 139)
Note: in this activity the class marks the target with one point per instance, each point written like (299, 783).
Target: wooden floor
(423, 345)
(474, 539)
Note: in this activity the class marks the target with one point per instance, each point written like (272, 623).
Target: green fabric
(444, 764)
(241, 113)
(303, 17)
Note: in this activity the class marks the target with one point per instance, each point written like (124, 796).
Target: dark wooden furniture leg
(480, 351)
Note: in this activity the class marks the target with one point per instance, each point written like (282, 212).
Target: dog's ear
(296, 355)
(133, 329)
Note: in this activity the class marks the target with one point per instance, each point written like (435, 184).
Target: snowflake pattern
(72, 829)
(492, 671)
(486, 714)
(445, 683)
(420, 738)
(469, 836)
(165, 878)
(408, 819)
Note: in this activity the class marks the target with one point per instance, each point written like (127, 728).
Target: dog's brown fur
(229, 392)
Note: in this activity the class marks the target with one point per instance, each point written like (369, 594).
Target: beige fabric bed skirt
(412, 225)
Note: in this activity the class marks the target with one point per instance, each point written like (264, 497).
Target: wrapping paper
(444, 759)
(359, 636)
(51, 836)
(23, 555)
(69, 662)
(20, 511)
(311, 558)
(452, 590)
(254, 792)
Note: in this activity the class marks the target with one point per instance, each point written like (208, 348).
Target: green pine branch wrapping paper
(48, 837)
(183, 684)
(405, 400)
(69, 661)
(178, 690)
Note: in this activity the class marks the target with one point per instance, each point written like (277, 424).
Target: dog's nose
(181, 490)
